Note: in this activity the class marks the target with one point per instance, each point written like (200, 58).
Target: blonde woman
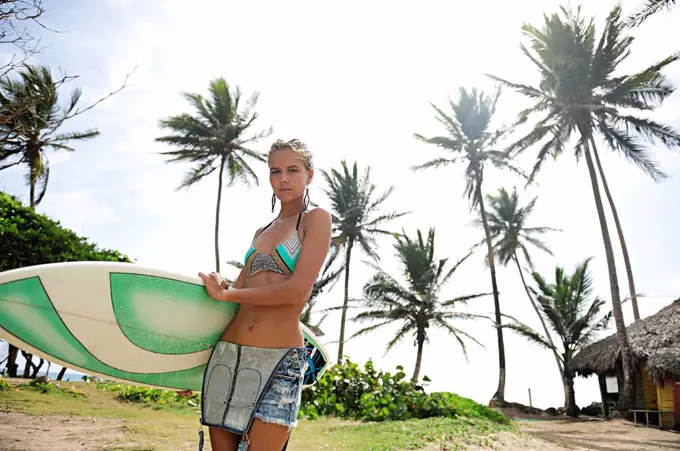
(253, 381)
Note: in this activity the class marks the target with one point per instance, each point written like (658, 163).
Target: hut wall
(666, 402)
(639, 393)
(677, 403)
(649, 390)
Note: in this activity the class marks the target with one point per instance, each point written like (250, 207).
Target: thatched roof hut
(654, 341)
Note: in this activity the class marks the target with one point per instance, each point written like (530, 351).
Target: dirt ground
(614, 435)
(22, 432)
(89, 434)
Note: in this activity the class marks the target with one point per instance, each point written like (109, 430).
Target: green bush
(347, 391)
(49, 387)
(28, 238)
(152, 397)
(5, 386)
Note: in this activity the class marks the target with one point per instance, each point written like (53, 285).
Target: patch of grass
(454, 433)
(175, 426)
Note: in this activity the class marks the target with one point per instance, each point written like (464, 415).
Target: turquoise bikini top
(281, 260)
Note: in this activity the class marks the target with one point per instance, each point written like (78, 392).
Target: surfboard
(123, 322)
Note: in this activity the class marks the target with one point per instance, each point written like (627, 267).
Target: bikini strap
(298, 222)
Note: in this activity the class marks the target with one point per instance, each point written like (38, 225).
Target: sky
(354, 82)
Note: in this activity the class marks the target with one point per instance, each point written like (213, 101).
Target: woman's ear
(310, 176)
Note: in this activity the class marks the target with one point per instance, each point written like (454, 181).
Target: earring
(273, 201)
(306, 199)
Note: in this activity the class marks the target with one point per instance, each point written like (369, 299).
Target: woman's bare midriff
(273, 326)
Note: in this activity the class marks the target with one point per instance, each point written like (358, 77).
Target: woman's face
(288, 175)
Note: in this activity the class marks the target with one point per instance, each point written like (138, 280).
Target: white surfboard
(122, 321)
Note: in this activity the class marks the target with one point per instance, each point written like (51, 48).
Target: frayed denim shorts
(245, 382)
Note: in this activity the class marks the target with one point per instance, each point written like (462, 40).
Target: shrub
(345, 391)
(153, 397)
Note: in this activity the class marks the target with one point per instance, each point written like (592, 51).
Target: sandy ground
(88, 434)
(21, 432)
(615, 435)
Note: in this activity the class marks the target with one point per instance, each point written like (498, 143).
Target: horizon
(323, 78)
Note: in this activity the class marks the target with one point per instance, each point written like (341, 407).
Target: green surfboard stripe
(184, 299)
(28, 314)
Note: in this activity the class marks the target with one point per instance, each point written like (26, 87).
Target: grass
(155, 427)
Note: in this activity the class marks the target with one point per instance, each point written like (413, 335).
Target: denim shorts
(281, 401)
(244, 382)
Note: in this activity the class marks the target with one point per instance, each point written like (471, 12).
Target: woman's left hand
(215, 285)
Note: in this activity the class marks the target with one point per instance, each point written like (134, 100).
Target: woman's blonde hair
(296, 146)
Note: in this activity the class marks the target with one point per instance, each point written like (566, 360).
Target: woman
(263, 346)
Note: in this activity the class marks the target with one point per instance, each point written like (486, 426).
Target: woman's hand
(215, 285)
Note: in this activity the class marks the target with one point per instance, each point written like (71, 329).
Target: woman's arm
(315, 247)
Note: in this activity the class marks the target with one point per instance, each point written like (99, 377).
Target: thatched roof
(654, 341)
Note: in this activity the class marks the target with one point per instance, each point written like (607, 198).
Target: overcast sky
(353, 81)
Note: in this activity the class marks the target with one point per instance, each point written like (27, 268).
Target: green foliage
(348, 392)
(151, 397)
(5, 386)
(49, 387)
(28, 238)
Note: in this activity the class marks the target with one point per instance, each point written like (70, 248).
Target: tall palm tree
(650, 8)
(471, 140)
(31, 120)
(216, 138)
(574, 317)
(416, 306)
(512, 236)
(324, 282)
(30, 124)
(355, 206)
(579, 94)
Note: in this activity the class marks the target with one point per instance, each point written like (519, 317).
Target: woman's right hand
(215, 285)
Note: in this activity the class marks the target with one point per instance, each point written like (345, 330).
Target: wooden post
(531, 404)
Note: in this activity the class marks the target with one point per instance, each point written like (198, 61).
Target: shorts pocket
(216, 394)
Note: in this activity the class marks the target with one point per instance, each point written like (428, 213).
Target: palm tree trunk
(545, 329)
(12, 367)
(13, 355)
(217, 215)
(499, 396)
(626, 397)
(619, 231)
(572, 408)
(31, 196)
(345, 302)
(419, 359)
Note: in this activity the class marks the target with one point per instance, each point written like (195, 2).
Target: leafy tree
(27, 239)
(512, 236)
(470, 140)
(356, 221)
(15, 35)
(216, 137)
(574, 317)
(416, 306)
(583, 93)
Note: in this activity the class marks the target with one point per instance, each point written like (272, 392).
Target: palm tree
(573, 315)
(578, 93)
(215, 138)
(511, 236)
(356, 220)
(417, 306)
(471, 141)
(325, 281)
(31, 119)
(650, 8)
